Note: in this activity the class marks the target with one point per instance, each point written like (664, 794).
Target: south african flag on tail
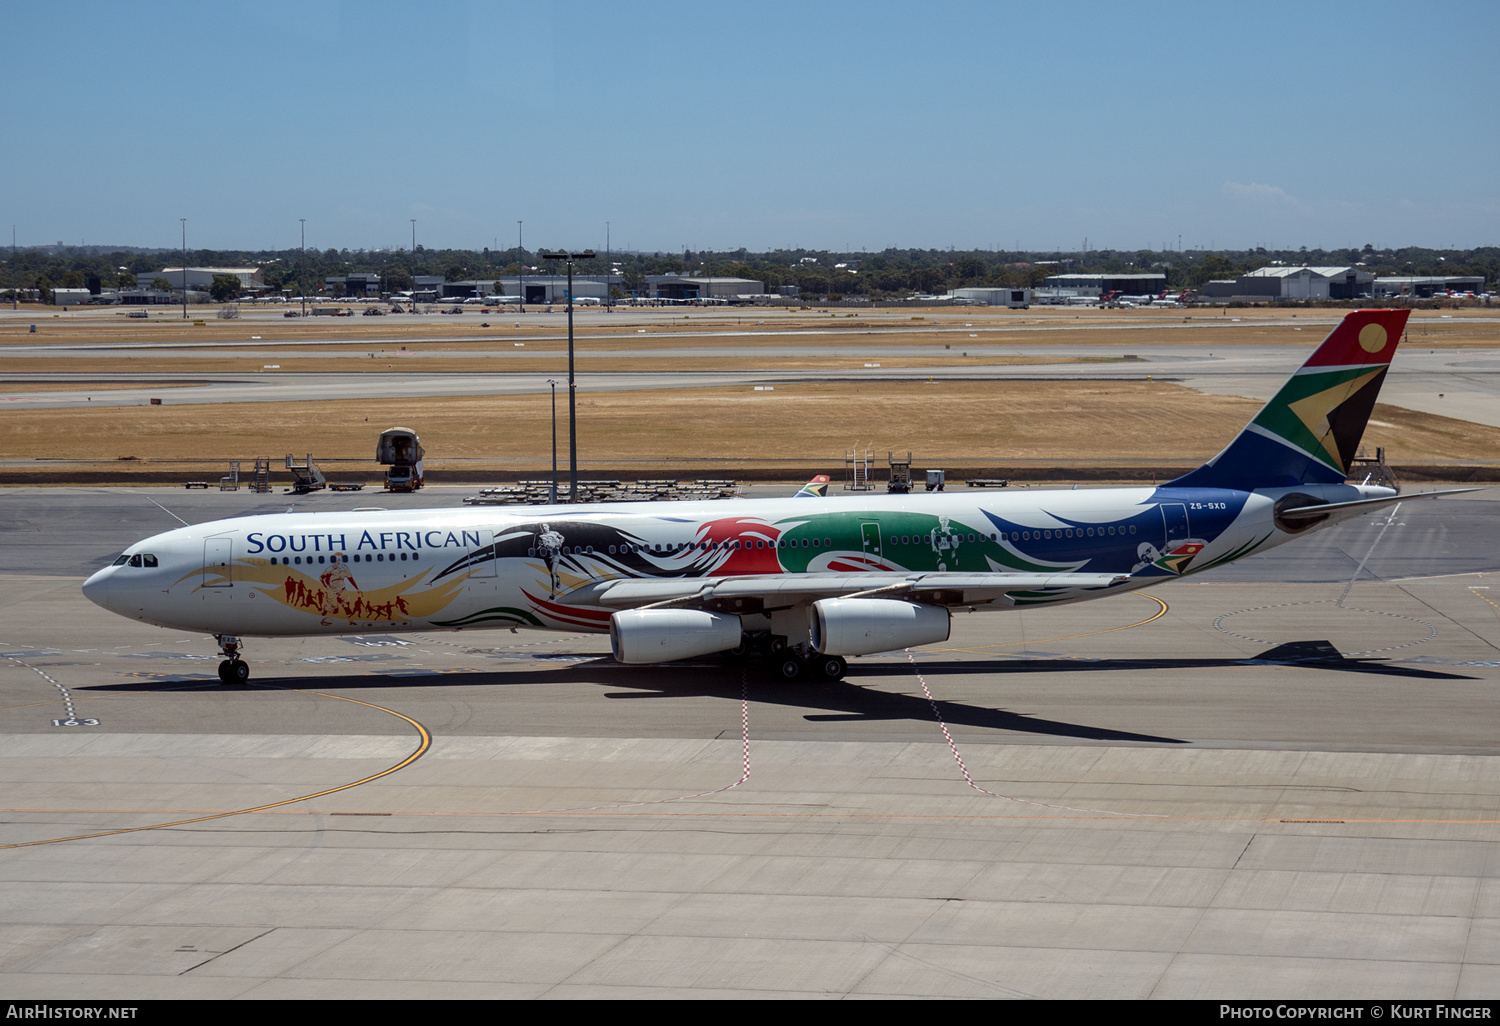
(1310, 431)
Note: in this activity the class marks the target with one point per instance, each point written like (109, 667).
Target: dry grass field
(954, 423)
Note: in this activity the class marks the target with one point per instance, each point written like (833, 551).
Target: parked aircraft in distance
(803, 581)
(1160, 299)
(817, 488)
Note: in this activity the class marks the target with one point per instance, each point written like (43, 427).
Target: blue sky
(712, 126)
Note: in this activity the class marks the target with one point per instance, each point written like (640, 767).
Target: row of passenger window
(1070, 532)
(378, 557)
(783, 543)
(1015, 536)
(671, 548)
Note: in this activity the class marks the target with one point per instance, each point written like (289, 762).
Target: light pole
(608, 266)
(572, 383)
(552, 490)
(302, 271)
(184, 267)
(520, 271)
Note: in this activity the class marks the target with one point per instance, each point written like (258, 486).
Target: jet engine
(662, 635)
(858, 626)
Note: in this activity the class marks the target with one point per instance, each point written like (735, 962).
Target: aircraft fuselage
(541, 566)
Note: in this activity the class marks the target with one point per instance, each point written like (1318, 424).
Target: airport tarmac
(1265, 782)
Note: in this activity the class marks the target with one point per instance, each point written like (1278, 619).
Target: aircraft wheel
(829, 667)
(789, 669)
(239, 670)
(226, 672)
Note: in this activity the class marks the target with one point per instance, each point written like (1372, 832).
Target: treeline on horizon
(891, 273)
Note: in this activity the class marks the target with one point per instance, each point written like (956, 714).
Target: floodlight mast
(568, 258)
(302, 270)
(552, 486)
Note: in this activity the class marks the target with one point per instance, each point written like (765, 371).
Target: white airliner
(802, 581)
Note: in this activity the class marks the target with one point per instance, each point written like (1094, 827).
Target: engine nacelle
(662, 635)
(858, 626)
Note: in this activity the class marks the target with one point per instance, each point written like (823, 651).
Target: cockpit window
(135, 560)
(121, 559)
(147, 559)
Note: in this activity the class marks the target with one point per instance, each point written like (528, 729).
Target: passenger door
(1175, 518)
(218, 562)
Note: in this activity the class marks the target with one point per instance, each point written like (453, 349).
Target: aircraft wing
(955, 589)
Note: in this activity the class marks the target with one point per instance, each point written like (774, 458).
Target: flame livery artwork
(803, 582)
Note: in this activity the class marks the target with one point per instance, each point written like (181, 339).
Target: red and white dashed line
(744, 775)
(953, 747)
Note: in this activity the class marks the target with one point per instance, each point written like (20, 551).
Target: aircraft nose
(97, 588)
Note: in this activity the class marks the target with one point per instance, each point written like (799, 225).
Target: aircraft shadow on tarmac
(1319, 655)
(689, 680)
(859, 704)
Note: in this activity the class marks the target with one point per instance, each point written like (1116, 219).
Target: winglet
(1310, 431)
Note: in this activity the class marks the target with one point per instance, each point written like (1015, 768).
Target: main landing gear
(791, 667)
(790, 663)
(234, 669)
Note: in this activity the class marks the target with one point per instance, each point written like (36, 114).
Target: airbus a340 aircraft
(805, 581)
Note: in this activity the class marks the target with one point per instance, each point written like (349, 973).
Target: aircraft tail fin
(1309, 432)
(817, 488)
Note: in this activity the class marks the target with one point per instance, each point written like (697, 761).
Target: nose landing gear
(234, 669)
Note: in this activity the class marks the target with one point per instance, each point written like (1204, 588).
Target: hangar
(358, 284)
(1272, 284)
(677, 286)
(250, 278)
(1015, 298)
(1097, 284)
(546, 288)
(1424, 286)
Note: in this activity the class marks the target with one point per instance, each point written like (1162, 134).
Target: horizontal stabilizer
(1362, 505)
